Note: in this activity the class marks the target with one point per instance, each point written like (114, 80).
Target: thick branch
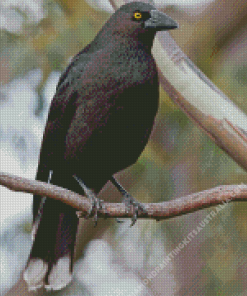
(158, 211)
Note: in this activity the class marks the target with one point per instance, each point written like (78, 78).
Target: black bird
(99, 122)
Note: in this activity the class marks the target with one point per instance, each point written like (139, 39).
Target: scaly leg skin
(97, 203)
(128, 201)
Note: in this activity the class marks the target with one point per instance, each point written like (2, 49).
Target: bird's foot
(96, 203)
(129, 201)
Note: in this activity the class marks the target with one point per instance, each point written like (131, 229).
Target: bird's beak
(160, 21)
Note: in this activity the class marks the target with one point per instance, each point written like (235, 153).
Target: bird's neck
(137, 42)
(128, 39)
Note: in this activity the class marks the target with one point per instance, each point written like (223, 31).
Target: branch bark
(158, 211)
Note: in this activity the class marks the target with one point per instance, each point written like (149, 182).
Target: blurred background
(38, 39)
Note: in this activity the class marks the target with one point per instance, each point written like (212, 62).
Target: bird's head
(140, 19)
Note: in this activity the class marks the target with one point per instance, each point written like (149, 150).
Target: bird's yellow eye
(137, 15)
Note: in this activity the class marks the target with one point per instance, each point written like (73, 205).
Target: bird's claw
(97, 204)
(128, 201)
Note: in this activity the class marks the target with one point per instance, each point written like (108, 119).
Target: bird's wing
(61, 112)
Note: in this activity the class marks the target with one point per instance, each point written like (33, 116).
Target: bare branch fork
(158, 211)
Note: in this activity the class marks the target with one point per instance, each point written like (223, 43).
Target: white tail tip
(58, 278)
(60, 275)
(34, 274)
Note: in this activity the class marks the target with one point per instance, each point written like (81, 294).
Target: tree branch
(158, 211)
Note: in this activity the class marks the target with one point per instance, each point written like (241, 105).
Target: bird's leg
(128, 200)
(97, 204)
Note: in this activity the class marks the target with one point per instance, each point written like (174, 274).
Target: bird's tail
(54, 234)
